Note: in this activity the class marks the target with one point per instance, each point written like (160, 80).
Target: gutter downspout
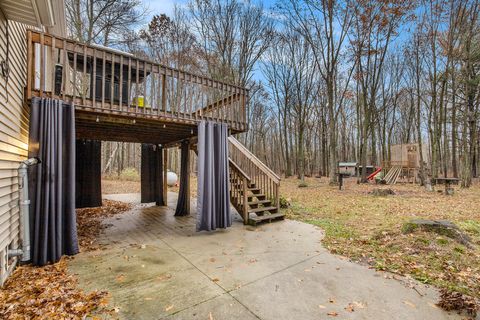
(24, 204)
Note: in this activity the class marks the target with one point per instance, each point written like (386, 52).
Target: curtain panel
(213, 203)
(88, 173)
(52, 182)
(151, 175)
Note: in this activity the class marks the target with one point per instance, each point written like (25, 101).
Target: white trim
(35, 12)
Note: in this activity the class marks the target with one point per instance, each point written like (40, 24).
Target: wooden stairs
(254, 188)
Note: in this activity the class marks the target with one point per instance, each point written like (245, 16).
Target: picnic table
(448, 182)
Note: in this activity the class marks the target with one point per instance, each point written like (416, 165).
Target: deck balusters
(52, 72)
(112, 81)
(94, 79)
(129, 83)
(42, 65)
(137, 74)
(176, 95)
(120, 85)
(74, 85)
(84, 86)
(144, 87)
(103, 78)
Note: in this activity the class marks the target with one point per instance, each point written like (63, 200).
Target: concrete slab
(327, 285)
(222, 307)
(156, 266)
(144, 280)
(245, 254)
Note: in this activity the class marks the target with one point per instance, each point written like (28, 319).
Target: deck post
(165, 170)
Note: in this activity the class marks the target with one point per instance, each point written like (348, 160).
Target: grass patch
(333, 229)
(471, 226)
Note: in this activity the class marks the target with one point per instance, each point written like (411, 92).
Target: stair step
(255, 191)
(267, 217)
(261, 209)
(258, 196)
(259, 202)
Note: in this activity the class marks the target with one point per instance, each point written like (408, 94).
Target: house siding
(13, 138)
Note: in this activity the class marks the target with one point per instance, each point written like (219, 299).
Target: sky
(166, 6)
(161, 6)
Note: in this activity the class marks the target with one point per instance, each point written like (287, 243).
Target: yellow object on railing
(141, 101)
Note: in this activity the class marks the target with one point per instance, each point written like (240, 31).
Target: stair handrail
(238, 192)
(232, 163)
(217, 104)
(249, 155)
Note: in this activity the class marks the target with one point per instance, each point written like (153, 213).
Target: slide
(370, 177)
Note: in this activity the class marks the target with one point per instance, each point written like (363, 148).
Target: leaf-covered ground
(370, 230)
(89, 224)
(50, 292)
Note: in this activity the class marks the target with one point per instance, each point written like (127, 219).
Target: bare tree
(102, 21)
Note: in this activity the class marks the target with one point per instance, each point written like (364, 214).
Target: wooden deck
(121, 97)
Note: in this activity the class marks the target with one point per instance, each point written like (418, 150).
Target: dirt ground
(371, 229)
(115, 186)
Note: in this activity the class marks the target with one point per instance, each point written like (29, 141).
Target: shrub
(284, 203)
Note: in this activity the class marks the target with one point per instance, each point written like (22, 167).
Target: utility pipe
(24, 204)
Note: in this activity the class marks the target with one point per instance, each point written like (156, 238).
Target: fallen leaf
(332, 313)
(350, 307)
(89, 220)
(49, 292)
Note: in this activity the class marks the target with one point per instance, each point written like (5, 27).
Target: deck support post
(165, 170)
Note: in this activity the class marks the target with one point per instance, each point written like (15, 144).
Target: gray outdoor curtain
(88, 173)
(151, 174)
(182, 202)
(213, 204)
(52, 182)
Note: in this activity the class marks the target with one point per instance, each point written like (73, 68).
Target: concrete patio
(156, 266)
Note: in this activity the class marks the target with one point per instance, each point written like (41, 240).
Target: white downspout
(24, 204)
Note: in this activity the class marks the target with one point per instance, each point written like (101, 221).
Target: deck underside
(111, 127)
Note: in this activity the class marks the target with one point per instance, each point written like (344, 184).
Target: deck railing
(105, 80)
